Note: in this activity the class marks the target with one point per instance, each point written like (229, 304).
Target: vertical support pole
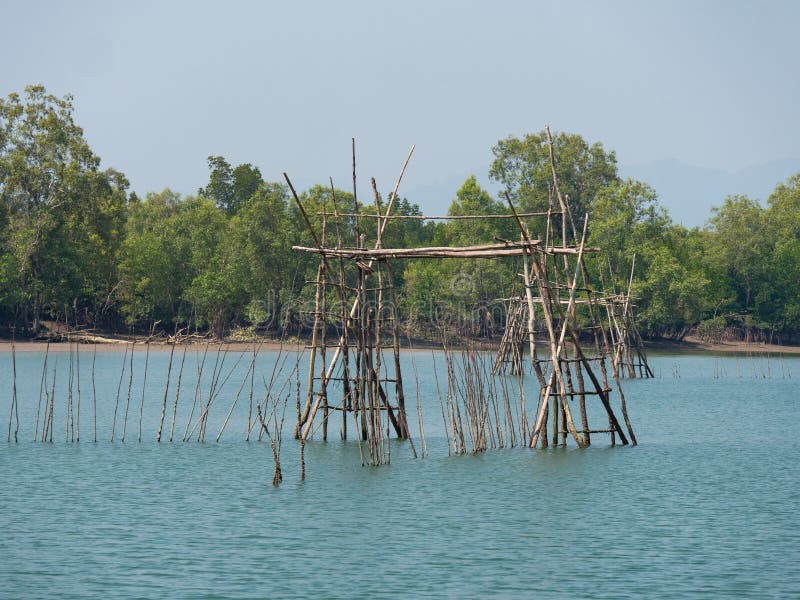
(323, 322)
(312, 357)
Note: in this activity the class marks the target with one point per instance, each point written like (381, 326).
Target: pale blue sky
(159, 86)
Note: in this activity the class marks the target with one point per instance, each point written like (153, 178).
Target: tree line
(77, 247)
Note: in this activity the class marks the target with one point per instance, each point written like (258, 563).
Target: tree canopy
(230, 187)
(75, 246)
(522, 166)
(61, 216)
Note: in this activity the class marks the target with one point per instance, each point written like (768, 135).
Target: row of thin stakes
(266, 411)
(477, 408)
(755, 366)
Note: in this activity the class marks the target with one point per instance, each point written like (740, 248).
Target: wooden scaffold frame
(372, 387)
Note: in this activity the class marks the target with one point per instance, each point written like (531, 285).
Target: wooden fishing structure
(556, 283)
(621, 340)
(606, 317)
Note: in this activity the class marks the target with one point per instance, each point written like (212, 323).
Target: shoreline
(690, 345)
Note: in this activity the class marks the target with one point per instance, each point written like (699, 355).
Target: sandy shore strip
(688, 345)
(156, 346)
(693, 344)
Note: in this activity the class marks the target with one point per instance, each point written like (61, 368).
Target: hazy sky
(159, 86)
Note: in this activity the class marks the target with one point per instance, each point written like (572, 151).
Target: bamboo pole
(624, 407)
(248, 375)
(78, 382)
(622, 347)
(375, 352)
(70, 423)
(42, 389)
(423, 442)
(94, 395)
(216, 373)
(323, 309)
(52, 404)
(354, 309)
(582, 400)
(403, 431)
(40, 437)
(196, 389)
(216, 388)
(557, 346)
(119, 389)
(144, 384)
(250, 409)
(277, 477)
(166, 392)
(313, 354)
(347, 397)
(130, 384)
(441, 402)
(564, 205)
(14, 408)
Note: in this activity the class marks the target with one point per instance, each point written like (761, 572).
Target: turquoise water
(706, 505)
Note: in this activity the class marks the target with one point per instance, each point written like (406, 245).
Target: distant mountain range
(688, 192)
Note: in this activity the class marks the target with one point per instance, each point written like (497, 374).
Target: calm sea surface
(707, 506)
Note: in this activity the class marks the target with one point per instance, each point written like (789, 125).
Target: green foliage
(712, 330)
(522, 166)
(154, 261)
(457, 292)
(668, 286)
(259, 242)
(783, 230)
(61, 215)
(472, 200)
(230, 187)
(669, 292)
(72, 244)
(626, 214)
(738, 246)
(175, 263)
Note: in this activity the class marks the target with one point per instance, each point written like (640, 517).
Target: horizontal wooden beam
(484, 251)
(438, 217)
